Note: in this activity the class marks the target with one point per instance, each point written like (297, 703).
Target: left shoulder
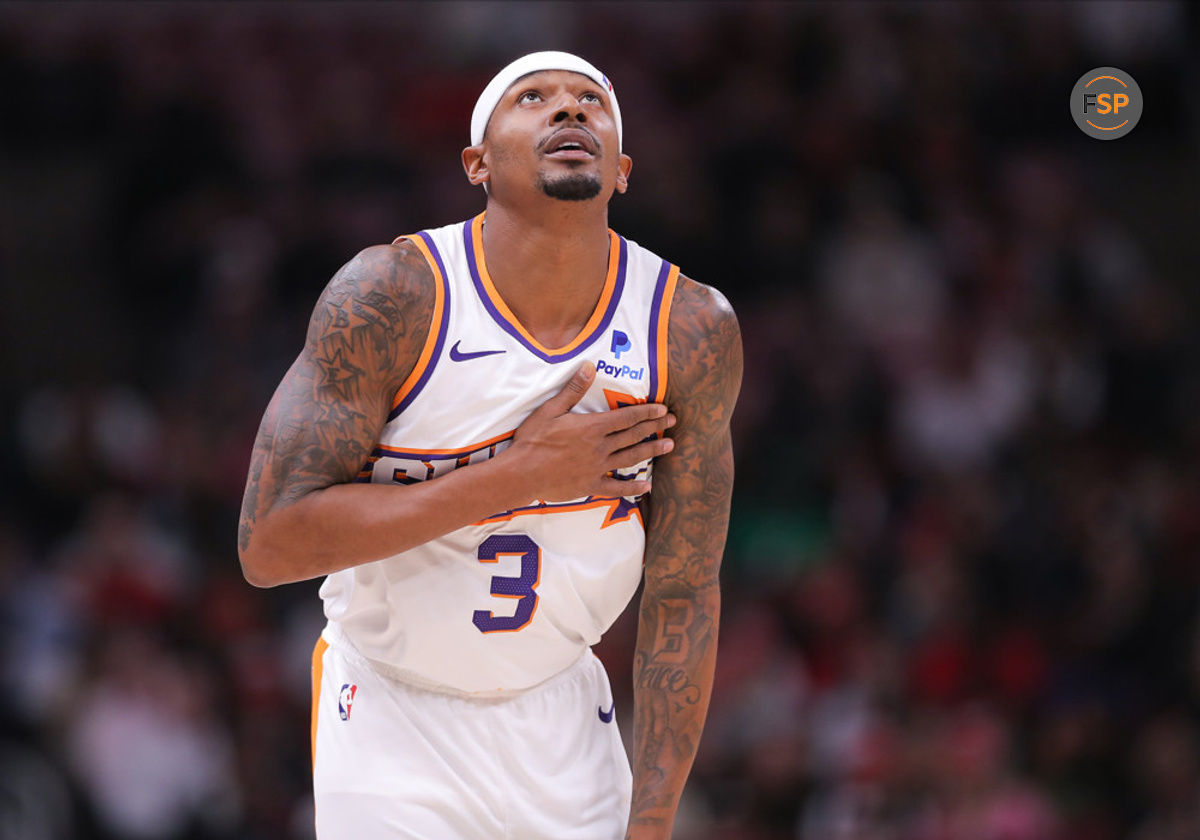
(701, 306)
(705, 346)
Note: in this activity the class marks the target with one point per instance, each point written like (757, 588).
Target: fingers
(630, 415)
(631, 455)
(571, 393)
(636, 434)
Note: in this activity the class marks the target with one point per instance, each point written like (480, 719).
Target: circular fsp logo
(1106, 103)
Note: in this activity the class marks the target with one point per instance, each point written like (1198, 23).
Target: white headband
(536, 63)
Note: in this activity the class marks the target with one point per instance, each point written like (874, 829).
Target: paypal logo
(619, 372)
(620, 343)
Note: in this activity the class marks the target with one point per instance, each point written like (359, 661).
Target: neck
(549, 265)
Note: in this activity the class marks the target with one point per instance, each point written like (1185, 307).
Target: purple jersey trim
(660, 286)
(440, 327)
(553, 358)
(384, 452)
(621, 509)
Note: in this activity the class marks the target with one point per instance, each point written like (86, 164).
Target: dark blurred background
(962, 574)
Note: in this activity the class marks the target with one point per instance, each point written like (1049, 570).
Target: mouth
(570, 144)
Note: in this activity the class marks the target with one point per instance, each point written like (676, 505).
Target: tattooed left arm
(685, 536)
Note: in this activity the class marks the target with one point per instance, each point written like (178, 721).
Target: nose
(568, 108)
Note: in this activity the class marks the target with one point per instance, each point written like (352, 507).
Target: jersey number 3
(521, 587)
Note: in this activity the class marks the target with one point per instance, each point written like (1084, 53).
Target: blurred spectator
(146, 746)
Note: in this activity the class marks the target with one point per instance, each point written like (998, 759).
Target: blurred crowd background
(962, 580)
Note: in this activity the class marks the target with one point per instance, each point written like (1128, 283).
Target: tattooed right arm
(302, 516)
(364, 335)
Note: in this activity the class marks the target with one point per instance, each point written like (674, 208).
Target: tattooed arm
(301, 516)
(689, 514)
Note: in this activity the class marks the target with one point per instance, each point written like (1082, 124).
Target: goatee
(571, 187)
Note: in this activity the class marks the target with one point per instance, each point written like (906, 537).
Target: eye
(529, 96)
(592, 97)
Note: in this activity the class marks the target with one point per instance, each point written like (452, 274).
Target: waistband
(340, 641)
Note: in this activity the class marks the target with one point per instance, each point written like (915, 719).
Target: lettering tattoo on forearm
(664, 668)
(671, 642)
(688, 518)
(675, 681)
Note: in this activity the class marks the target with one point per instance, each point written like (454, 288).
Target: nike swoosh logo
(606, 717)
(457, 355)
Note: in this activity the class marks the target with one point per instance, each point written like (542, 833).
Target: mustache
(545, 141)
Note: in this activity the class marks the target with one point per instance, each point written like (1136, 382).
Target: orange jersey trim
(461, 450)
(318, 666)
(664, 319)
(436, 325)
(589, 329)
(610, 502)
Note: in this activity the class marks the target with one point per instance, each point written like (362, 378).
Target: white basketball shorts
(392, 761)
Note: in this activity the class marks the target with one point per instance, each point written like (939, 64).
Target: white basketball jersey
(514, 599)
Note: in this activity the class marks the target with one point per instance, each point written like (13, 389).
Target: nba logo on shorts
(620, 343)
(346, 700)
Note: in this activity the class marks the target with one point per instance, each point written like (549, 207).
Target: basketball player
(465, 447)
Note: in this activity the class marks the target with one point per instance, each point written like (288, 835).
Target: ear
(624, 167)
(475, 165)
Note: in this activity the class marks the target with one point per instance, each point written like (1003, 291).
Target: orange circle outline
(1114, 78)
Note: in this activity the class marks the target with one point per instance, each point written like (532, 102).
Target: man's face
(553, 131)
